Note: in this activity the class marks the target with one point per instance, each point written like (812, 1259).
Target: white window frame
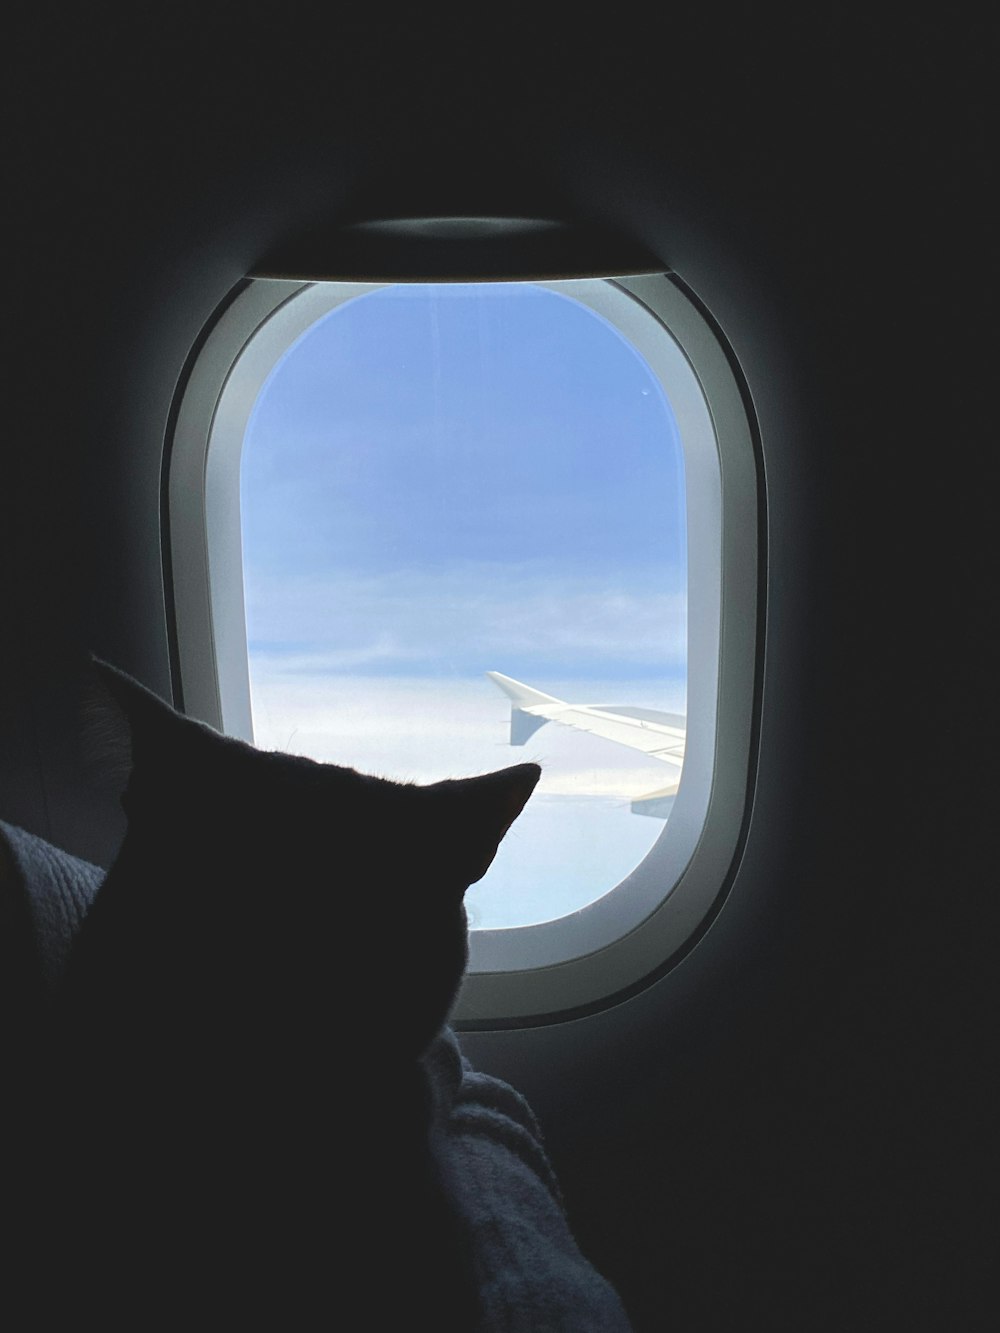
(586, 958)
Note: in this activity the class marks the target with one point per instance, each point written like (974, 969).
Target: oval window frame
(635, 930)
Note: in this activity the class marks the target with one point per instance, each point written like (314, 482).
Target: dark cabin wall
(771, 1134)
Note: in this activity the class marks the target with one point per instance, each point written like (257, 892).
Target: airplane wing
(656, 734)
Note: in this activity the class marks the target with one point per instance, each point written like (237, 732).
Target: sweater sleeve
(531, 1274)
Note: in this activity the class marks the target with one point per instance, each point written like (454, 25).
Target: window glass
(441, 481)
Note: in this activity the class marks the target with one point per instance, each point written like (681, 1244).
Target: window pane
(444, 480)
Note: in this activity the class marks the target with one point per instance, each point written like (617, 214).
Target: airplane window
(429, 530)
(462, 510)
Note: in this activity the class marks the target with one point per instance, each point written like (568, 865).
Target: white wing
(659, 735)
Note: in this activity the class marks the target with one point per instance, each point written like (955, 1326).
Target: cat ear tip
(525, 778)
(102, 667)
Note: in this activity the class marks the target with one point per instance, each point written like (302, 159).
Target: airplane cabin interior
(773, 1114)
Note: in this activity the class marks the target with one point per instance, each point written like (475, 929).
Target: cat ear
(480, 810)
(118, 712)
(136, 702)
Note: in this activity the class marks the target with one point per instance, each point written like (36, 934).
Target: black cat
(243, 1021)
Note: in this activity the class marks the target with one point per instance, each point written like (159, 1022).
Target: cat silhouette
(242, 1031)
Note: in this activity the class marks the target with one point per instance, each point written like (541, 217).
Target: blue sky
(443, 480)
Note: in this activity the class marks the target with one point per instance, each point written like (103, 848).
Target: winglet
(522, 723)
(522, 696)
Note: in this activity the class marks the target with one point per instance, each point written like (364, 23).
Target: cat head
(269, 885)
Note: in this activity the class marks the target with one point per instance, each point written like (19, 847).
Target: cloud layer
(464, 620)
